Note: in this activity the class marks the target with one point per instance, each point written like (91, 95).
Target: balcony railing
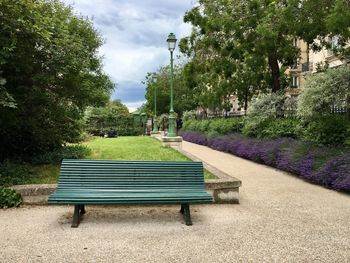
(335, 109)
(305, 67)
(295, 67)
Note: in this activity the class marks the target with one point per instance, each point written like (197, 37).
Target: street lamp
(155, 121)
(171, 45)
(144, 122)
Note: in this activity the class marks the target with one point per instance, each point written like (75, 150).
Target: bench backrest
(105, 174)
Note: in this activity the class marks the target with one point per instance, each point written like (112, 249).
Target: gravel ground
(280, 219)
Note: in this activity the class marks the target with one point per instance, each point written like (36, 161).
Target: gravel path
(280, 219)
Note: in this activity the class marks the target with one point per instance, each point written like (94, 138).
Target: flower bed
(329, 167)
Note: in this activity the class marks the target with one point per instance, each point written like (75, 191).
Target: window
(295, 42)
(294, 82)
(335, 42)
(334, 45)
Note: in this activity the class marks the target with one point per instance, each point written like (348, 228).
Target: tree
(184, 96)
(249, 44)
(338, 22)
(51, 71)
(221, 65)
(114, 116)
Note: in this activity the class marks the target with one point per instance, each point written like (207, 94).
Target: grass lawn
(121, 148)
(132, 148)
(44, 174)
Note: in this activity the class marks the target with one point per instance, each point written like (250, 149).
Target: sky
(135, 33)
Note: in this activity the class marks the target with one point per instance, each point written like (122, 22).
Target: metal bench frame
(191, 172)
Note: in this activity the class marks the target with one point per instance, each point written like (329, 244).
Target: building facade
(309, 62)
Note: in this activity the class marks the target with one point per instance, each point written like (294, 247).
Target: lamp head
(171, 42)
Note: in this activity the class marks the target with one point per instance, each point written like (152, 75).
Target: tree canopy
(244, 47)
(114, 116)
(184, 97)
(50, 71)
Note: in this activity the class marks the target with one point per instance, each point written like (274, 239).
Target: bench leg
(79, 211)
(182, 209)
(82, 210)
(76, 216)
(186, 214)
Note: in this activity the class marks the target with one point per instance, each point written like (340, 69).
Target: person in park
(179, 124)
(112, 133)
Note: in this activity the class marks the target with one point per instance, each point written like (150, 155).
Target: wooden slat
(130, 182)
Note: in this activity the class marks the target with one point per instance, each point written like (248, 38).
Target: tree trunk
(246, 101)
(275, 72)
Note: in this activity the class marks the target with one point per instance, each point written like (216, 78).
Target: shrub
(196, 125)
(324, 90)
(12, 173)
(190, 125)
(134, 131)
(189, 115)
(328, 130)
(9, 198)
(66, 152)
(273, 105)
(203, 126)
(253, 126)
(275, 128)
(86, 137)
(225, 126)
(263, 110)
(213, 127)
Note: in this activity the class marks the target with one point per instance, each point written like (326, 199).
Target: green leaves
(6, 100)
(49, 59)
(185, 94)
(9, 198)
(323, 91)
(114, 116)
(249, 44)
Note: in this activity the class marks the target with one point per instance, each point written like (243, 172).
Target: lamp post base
(172, 130)
(175, 141)
(155, 125)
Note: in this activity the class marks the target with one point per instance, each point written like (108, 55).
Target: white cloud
(132, 106)
(135, 33)
(129, 64)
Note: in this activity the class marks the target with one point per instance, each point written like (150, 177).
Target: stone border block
(35, 194)
(225, 189)
(171, 141)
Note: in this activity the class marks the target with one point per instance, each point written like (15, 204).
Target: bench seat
(104, 182)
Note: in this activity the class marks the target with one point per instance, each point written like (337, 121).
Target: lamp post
(155, 121)
(144, 121)
(171, 45)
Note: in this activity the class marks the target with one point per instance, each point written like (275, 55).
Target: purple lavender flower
(335, 173)
(316, 165)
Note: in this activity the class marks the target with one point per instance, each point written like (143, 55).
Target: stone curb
(222, 190)
(168, 141)
(35, 194)
(225, 189)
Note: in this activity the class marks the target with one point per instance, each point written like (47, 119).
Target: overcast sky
(135, 32)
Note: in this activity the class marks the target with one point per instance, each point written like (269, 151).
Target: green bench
(103, 182)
